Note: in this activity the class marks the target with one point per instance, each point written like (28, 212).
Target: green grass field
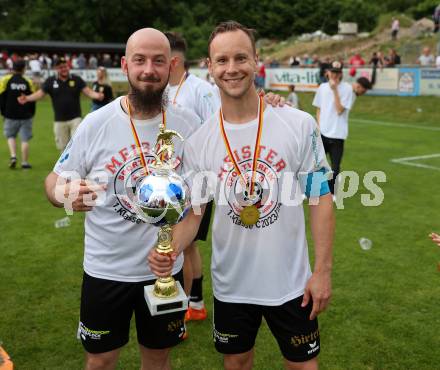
(385, 308)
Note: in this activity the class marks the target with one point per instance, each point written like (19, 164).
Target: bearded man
(104, 153)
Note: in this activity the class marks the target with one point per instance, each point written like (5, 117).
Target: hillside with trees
(115, 20)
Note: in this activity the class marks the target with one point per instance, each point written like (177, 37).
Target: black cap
(336, 67)
(19, 65)
(365, 83)
(60, 61)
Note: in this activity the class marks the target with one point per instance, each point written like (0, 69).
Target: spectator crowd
(37, 62)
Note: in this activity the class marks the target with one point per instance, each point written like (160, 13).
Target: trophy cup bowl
(162, 197)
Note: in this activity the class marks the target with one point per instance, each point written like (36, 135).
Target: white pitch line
(418, 157)
(418, 165)
(407, 161)
(391, 124)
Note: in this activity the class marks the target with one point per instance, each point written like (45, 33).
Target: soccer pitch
(384, 312)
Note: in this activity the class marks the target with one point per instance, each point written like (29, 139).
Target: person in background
(82, 61)
(294, 61)
(260, 79)
(323, 67)
(274, 63)
(93, 62)
(74, 61)
(189, 91)
(116, 61)
(306, 61)
(35, 67)
(106, 61)
(18, 118)
(376, 61)
(426, 59)
(436, 18)
(65, 90)
(292, 98)
(393, 58)
(395, 26)
(356, 60)
(102, 85)
(315, 61)
(333, 101)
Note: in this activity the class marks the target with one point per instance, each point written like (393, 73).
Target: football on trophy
(162, 197)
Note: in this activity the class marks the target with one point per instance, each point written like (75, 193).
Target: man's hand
(161, 264)
(274, 100)
(80, 194)
(435, 238)
(319, 289)
(333, 83)
(22, 99)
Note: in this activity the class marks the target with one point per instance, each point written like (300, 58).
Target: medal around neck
(162, 198)
(249, 215)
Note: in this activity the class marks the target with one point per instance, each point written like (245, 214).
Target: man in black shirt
(18, 118)
(65, 90)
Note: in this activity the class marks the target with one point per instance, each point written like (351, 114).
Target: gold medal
(249, 215)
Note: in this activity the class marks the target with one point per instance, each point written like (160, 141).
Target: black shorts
(236, 326)
(106, 310)
(202, 234)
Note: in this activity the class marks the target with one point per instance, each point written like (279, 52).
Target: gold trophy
(162, 199)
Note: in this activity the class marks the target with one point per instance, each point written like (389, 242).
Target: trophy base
(160, 306)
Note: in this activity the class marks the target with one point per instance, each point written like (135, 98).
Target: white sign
(88, 75)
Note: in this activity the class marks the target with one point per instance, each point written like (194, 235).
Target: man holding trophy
(119, 156)
(259, 156)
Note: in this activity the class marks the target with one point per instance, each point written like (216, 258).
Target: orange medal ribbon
(182, 80)
(136, 136)
(250, 214)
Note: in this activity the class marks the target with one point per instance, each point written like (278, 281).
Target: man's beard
(148, 100)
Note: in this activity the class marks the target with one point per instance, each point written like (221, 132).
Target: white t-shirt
(332, 124)
(426, 60)
(117, 242)
(34, 65)
(267, 263)
(437, 61)
(197, 95)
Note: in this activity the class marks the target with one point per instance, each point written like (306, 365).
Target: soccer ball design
(162, 198)
(258, 194)
(244, 199)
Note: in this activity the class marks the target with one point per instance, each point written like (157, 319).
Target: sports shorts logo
(223, 337)
(298, 340)
(85, 332)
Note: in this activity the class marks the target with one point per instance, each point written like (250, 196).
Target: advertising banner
(389, 81)
(430, 81)
(409, 79)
